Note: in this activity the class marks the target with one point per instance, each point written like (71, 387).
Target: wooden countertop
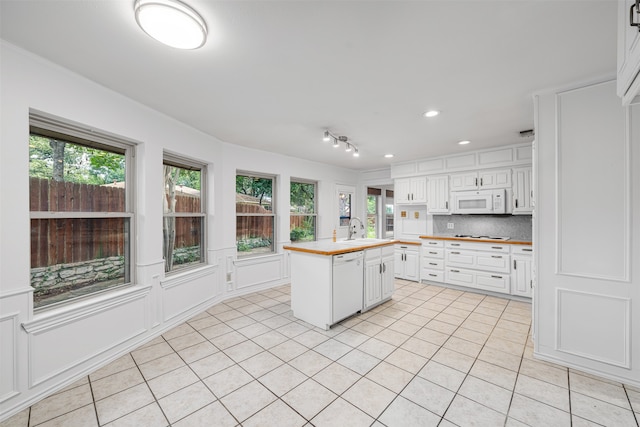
(466, 239)
(328, 247)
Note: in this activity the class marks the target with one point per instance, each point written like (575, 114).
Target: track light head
(326, 137)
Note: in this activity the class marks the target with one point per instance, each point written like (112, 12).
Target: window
(389, 214)
(373, 197)
(302, 223)
(183, 225)
(255, 214)
(81, 211)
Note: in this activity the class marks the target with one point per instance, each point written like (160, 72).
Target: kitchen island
(331, 281)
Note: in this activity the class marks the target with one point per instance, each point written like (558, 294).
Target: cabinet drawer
(432, 253)
(493, 262)
(522, 249)
(461, 258)
(433, 275)
(459, 277)
(478, 246)
(433, 243)
(433, 263)
(493, 282)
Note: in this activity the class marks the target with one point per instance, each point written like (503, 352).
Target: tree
(256, 187)
(302, 197)
(171, 175)
(57, 148)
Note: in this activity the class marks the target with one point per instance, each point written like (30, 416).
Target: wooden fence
(70, 240)
(248, 227)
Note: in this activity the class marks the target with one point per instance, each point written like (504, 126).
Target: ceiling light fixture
(171, 22)
(388, 156)
(431, 113)
(337, 139)
(464, 142)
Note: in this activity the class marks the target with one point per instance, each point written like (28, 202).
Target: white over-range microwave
(479, 202)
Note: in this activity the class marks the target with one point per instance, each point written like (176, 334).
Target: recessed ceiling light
(431, 113)
(171, 22)
(464, 142)
(388, 156)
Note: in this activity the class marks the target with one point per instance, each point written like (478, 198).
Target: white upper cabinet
(481, 180)
(438, 194)
(411, 190)
(522, 191)
(628, 51)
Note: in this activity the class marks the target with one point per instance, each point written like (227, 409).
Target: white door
(464, 181)
(372, 282)
(412, 265)
(521, 276)
(387, 279)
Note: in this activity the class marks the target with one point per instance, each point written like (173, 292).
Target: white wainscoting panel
(260, 270)
(430, 166)
(487, 158)
(463, 161)
(8, 356)
(593, 208)
(179, 294)
(594, 326)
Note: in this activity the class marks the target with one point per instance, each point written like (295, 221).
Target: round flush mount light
(465, 142)
(171, 22)
(388, 156)
(431, 113)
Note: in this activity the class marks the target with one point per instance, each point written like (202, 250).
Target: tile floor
(432, 356)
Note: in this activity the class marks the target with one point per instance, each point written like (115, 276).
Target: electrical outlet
(450, 226)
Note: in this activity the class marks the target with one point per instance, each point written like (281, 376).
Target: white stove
(481, 237)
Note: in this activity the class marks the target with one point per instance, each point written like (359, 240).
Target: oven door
(472, 202)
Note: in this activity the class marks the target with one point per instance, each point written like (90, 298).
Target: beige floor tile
(185, 341)
(544, 392)
(337, 412)
(228, 340)
(453, 359)
(203, 322)
(120, 364)
(261, 363)
(21, 419)
(476, 326)
(466, 412)
(123, 403)
(440, 326)
(205, 416)
(227, 380)
(270, 339)
(198, 351)
(78, 383)
(581, 422)
(497, 357)
(172, 381)
(494, 374)
(634, 398)
(333, 349)
(434, 337)
(469, 335)
(161, 366)
(509, 335)
(276, 322)
(148, 416)
(292, 329)
(310, 363)
(247, 400)
(442, 375)
(392, 337)
(60, 403)
(351, 338)
(282, 379)
(518, 318)
(211, 364)
(535, 413)
(229, 315)
(428, 395)
(310, 338)
(81, 417)
(218, 308)
(403, 412)
(278, 410)
(381, 320)
(150, 353)
(542, 371)
(215, 331)
(288, 350)
(369, 397)
(598, 389)
(390, 376)
(416, 319)
(253, 330)
(368, 328)
(377, 348)
(405, 327)
(243, 351)
(186, 401)
(242, 321)
(505, 346)
(309, 398)
(336, 378)
(601, 412)
(406, 360)
(420, 347)
(358, 361)
(486, 393)
(179, 330)
(115, 383)
(463, 346)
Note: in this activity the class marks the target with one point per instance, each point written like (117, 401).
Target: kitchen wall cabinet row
(435, 190)
(495, 267)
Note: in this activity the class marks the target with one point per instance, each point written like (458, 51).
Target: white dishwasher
(348, 284)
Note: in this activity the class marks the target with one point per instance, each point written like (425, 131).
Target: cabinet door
(387, 279)
(522, 192)
(438, 195)
(398, 262)
(402, 190)
(411, 265)
(419, 190)
(372, 282)
(495, 179)
(521, 276)
(464, 181)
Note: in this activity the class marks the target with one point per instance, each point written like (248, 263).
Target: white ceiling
(275, 74)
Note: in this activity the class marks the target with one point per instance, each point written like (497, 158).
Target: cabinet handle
(514, 264)
(531, 283)
(455, 271)
(527, 250)
(455, 253)
(496, 247)
(480, 182)
(496, 256)
(516, 203)
(446, 205)
(455, 244)
(476, 182)
(408, 196)
(433, 263)
(433, 275)
(496, 277)
(433, 243)
(631, 23)
(380, 267)
(384, 268)
(433, 253)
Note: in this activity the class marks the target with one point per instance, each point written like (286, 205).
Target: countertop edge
(350, 249)
(463, 239)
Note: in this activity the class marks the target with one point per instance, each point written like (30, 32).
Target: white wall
(44, 351)
(587, 231)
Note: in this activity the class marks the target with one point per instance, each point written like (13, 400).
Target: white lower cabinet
(378, 275)
(406, 262)
(522, 271)
(432, 262)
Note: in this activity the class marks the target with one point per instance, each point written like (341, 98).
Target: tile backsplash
(517, 227)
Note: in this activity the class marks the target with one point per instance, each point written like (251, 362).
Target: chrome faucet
(352, 228)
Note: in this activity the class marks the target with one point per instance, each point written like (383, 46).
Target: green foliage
(372, 204)
(261, 188)
(253, 243)
(302, 197)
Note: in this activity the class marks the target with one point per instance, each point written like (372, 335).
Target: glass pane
(303, 228)
(68, 177)
(389, 221)
(303, 198)
(254, 195)
(372, 207)
(182, 189)
(182, 242)
(75, 257)
(254, 235)
(344, 208)
(473, 204)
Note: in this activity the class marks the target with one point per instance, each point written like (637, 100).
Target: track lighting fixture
(349, 147)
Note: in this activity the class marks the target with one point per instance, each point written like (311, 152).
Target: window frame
(315, 205)
(274, 247)
(176, 160)
(54, 127)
